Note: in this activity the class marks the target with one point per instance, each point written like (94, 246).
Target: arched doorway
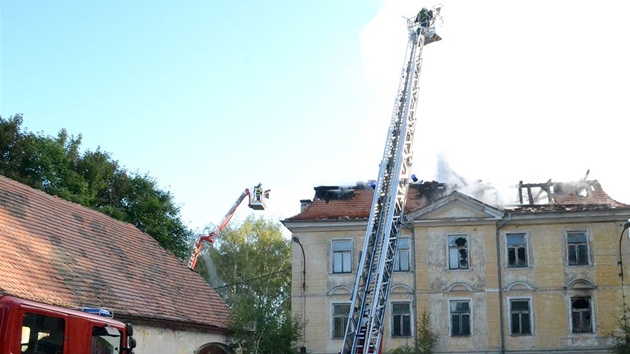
(212, 348)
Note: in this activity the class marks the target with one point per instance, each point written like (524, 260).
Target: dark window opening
(460, 318)
(401, 320)
(516, 250)
(520, 317)
(581, 315)
(341, 312)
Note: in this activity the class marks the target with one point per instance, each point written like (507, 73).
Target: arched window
(213, 348)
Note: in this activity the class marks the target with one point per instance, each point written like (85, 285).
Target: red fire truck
(31, 327)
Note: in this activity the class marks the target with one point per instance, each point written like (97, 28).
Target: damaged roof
(61, 253)
(354, 202)
(583, 195)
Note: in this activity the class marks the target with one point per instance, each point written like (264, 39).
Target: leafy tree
(106, 180)
(93, 179)
(253, 264)
(45, 163)
(152, 211)
(11, 147)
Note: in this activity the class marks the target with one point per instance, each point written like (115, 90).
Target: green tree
(93, 179)
(253, 266)
(42, 162)
(425, 339)
(12, 148)
(152, 211)
(621, 337)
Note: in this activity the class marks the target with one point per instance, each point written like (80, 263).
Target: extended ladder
(373, 282)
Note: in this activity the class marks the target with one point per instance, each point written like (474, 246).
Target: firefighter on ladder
(424, 17)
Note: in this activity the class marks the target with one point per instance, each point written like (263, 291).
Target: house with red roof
(60, 253)
(543, 274)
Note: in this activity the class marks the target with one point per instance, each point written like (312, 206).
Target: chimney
(304, 204)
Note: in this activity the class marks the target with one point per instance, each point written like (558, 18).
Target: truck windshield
(106, 340)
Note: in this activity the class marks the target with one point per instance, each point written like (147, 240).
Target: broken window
(401, 259)
(460, 317)
(520, 316)
(341, 313)
(401, 319)
(577, 248)
(516, 250)
(581, 315)
(342, 256)
(458, 252)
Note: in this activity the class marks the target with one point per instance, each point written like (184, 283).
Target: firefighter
(424, 17)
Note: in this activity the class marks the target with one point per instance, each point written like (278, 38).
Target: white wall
(155, 340)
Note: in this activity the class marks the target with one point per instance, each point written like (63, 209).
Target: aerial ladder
(257, 201)
(374, 277)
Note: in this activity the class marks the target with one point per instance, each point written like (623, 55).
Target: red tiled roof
(61, 253)
(356, 205)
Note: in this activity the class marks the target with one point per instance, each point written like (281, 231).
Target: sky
(213, 97)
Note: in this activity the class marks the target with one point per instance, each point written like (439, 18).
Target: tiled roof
(354, 204)
(61, 253)
(357, 201)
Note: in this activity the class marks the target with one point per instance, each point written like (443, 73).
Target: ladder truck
(374, 277)
(256, 202)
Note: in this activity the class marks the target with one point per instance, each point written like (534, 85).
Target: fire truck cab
(31, 327)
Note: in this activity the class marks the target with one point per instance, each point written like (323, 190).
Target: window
(341, 312)
(342, 256)
(520, 316)
(401, 259)
(458, 252)
(105, 340)
(516, 250)
(460, 317)
(577, 248)
(42, 333)
(581, 315)
(401, 319)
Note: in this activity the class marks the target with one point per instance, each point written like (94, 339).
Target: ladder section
(373, 282)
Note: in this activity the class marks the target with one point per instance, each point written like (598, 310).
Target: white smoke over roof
(507, 97)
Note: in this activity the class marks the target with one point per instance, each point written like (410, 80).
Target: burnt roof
(354, 202)
(61, 253)
(585, 195)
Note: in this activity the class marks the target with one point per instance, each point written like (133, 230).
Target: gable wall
(152, 339)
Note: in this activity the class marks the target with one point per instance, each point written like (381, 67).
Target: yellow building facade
(542, 276)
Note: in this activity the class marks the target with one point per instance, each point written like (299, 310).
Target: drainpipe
(415, 271)
(500, 276)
